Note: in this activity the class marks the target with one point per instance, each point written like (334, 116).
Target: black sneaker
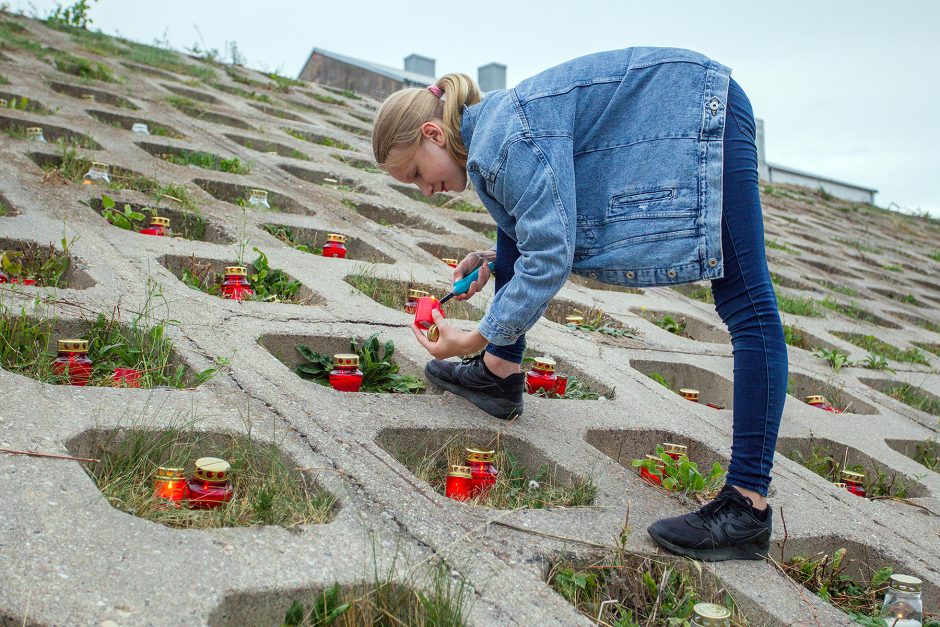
(724, 529)
(472, 380)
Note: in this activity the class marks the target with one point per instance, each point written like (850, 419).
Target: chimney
(763, 171)
(420, 65)
(491, 76)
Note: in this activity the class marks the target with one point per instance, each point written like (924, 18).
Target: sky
(847, 89)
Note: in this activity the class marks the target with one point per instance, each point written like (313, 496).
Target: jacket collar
(468, 122)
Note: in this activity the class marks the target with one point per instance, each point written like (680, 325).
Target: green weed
(879, 347)
(379, 372)
(596, 322)
(696, 291)
(913, 397)
(826, 464)
(668, 323)
(773, 243)
(44, 264)
(682, 475)
(836, 357)
(206, 160)
(269, 284)
(393, 294)
(798, 305)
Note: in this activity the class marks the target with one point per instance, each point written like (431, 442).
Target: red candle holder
(483, 470)
(209, 486)
(675, 451)
(648, 476)
(562, 386)
(574, 320)
(3, 277)
(126, 377)
(346, 376)
(818, 400)
(427, 304)
(159, 226)
(459, 483)
(542, 376)
(689, 394)
(450, 262)
(72, 362)
(22, 281)
(411, 302)
(335, 246)
(236, 285)
(170, 485)
(853, 482)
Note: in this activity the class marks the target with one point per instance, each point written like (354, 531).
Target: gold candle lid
(169, 473)
(433, 333)
(159, 221)
(814, 399)
(906, 583)
(456, 470)
(545, 363)
(839, 485)
(656, 458)
(34, 130)
(414, 293)
(854, 477)
(236, 270)
(88, 97)
(689, 393)
(336, 237)
(212, 469)
(258, 192)
(449, 261)
(574, 319)
(3, 103)
(479, 455)
(681, 449)
(345, 360)
(711, 615)
(73, 346)
(97, 165)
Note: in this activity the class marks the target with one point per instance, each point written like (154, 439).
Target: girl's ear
(433, 132)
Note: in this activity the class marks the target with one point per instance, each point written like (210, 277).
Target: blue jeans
(744, 299)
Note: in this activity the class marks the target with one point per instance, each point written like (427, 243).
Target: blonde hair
(398, 121)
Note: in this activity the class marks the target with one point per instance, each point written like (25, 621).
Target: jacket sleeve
(538, 192)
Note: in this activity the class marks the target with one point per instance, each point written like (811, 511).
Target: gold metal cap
(169, 473)
(479, 455)
(574, 319)
(545, 363)
(97, 165)
(681, 449)
(88, 97)
(336, 237)
(345, 360)
(851, 475)
(689, 393)
(456, 470)
(449, 261)
(34, 130)
(258, 192)
(413, 293)
(236, 270)
(73, 346)
(839, 485)
(906, 583)
(813, 399)
(711, 615)
(159, 221)
(433, 333)
(212, 469)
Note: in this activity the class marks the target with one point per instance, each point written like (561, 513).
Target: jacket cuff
(495, 333)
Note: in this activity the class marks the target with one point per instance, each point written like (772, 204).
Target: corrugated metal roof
(782, 168)
(409, 78)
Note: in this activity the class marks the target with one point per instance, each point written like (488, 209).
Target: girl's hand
(470, 263)
(452, 342)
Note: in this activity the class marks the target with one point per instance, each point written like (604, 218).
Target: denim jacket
(609, 165)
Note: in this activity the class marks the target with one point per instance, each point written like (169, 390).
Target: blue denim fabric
(608, 165)
(744, 299)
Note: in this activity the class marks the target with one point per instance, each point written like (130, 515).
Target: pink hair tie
(437, 91)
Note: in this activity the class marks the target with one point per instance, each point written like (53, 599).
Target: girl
(634, 167)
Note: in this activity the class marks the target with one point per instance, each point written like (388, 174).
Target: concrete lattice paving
(68, 557)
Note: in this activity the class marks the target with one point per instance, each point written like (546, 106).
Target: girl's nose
(427, 189)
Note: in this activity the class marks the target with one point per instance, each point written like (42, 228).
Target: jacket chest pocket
(642, 203)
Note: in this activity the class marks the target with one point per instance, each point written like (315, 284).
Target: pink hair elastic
(437, 91)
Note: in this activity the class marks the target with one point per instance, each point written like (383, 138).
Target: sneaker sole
(498, 408)
(744, 551)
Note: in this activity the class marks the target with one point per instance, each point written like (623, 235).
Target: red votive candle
(648, 475)
(170, 485)
(689, 394)
(126, 377)
(335, 246)
(853, 482)
(459, 483)
(542, 376)
(73, 362)
(236, 285)
(427, 304)
(159, 226)
(562, 385)
(209, 486)
(483, 470)
(346, 376)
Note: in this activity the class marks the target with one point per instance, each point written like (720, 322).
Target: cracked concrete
(68, 557)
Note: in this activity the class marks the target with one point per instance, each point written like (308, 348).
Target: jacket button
(671, 274)
(712, 262)
(631, 274)
(713, 105)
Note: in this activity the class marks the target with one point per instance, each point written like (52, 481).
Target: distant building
(377, 80)
(773, 173)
